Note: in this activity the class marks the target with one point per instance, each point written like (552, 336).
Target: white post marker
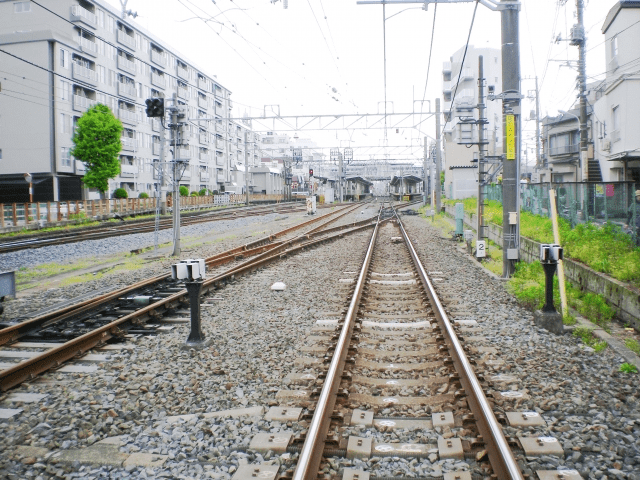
(481, 249)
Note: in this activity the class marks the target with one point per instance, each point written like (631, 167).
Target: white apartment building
(61, 62)
(616, 134)
(460, 101)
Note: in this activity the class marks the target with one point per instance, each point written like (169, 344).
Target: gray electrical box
(512, 254)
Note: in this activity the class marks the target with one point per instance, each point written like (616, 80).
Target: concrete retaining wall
(624, 299)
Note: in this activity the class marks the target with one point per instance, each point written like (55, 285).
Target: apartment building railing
(126, 39)
(126, 64)
(81, 73)
(128, 143)
(126, 89)
(127, 115)
(183, 93)
(158, 80)
(159, 58)
(564, 149)
(81, 13)
(183, 73)
(88, 45)
(82, 103)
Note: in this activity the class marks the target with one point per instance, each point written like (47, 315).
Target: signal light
(155, 107)
(311, 172)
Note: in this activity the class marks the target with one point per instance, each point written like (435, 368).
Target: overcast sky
(295, 58)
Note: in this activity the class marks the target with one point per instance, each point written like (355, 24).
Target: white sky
(267, 55)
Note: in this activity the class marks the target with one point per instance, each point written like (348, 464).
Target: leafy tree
(97, 145)
(184, 191)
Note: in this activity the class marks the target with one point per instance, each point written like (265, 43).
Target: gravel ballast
(589, 406)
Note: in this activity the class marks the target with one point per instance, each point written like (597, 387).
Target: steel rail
(312, 450)
(14, 332)
(501, 457)
(100, 232)
(55, 357)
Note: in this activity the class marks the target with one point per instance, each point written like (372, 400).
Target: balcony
(83, 74)
(202, 138)
(81, 103)
(81, 168)
(87, 46)
(81, 14)
(465, 98)
(183, 93)
(155, 148)
(202, 102)
(564, 150)
(219, 127)
(128, 143)
(155, 124)
(126, 40)
(446, 87)
(127, 90)
(220, 177)
(159, 58)
(183, 73)
(219, 110)
(128, 116)
(186, 174)
(466, 74)
(204, 176)
(230, 104)
(446, 67)
(204, 157)
(220, 143)
(158, 80)
(220, 160)
(128, 171)
(202, 83)
(127, 65)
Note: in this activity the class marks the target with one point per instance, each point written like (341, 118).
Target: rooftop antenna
(126, 12)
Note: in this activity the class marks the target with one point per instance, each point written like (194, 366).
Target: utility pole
(481, 147)
(246, 168)
(538, 159)
(436, 183)
(425, 187)
(340, 166)
(512, 124)
(578, 39)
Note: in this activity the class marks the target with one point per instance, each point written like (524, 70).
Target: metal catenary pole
(511, 114)
(176, 182)
(481, 147)
(340, 166)
(246, 169)
(425, 186)
(578, 38)
(538, 159)
(438, 189)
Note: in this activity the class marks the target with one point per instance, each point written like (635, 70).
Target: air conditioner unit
(606, 145)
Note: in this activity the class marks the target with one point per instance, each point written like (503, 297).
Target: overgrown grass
(628, 368)
(589, 339)
(528, 286)
(605, 248)
(633, 345)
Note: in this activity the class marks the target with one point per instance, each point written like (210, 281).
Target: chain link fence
(581, 202)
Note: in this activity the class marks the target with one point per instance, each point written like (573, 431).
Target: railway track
(10, 244)
(72, 331)
(389, 366)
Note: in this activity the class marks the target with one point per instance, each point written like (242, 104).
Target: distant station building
(406, 186)
(358, 188)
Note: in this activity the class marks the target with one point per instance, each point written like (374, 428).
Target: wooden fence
(42, 213)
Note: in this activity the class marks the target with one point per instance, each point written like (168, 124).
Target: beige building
(71, 54)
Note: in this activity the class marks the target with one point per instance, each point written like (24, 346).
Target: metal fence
(579, 202)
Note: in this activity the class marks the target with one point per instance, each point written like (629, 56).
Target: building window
(111, 25)
(65, 157)
(101, 73)
(22, 7)
(65, 91)
(615, 116)
(101, 18)
(65, 124)
(64, 58)
(614, 47)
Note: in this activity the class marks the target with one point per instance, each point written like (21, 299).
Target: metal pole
(582, 81)
(246, 170)
(424, 172)
(340, 176)
(438, 189)
(538, 160)
(511, 114)
(176, 184)
(481, 137)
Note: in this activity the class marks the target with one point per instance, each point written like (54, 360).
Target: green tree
(184, 191)
(97, 145)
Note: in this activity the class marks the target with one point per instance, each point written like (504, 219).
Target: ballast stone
(278, 286)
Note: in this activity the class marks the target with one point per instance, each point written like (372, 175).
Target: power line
(464, 56)
(24, 100)
(433, 31)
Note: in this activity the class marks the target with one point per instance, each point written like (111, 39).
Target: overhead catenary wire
(464, 56)
(426, 82)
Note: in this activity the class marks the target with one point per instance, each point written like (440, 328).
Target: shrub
(202, 192)
(194, 194)
(120, 193)
(628, 368)
(184, 191)
(587, 337)
(143, 195)
(215, 192)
